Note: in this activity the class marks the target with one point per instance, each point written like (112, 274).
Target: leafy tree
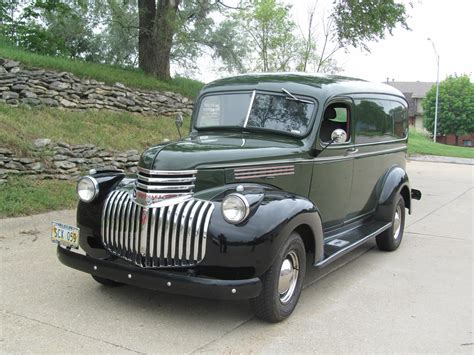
(269, 32)
(119, 37)
(51, 27)
(455, 106)
(350, 23)
(358, 22)
(179, 31)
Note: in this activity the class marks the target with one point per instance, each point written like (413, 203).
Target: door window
(336, 116)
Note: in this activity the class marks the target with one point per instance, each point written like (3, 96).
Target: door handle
(351, 151)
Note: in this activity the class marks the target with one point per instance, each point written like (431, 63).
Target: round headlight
(235, 208)
(87, 188)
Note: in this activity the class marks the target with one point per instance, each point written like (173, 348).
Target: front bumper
(160, 280)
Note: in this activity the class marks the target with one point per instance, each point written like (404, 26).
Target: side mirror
(179, 120)
(339, 136)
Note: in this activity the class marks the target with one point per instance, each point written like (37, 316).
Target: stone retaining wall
(34, 86)
(50, 160)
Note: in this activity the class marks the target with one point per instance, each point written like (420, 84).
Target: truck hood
(219, 150)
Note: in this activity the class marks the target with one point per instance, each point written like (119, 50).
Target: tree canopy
(455, 106)
(155, 34)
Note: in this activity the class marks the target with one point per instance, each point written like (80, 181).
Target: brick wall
(450, 139)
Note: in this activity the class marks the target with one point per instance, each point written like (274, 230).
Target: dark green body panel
(342, 186)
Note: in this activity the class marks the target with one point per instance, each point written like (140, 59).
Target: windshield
(256, 110)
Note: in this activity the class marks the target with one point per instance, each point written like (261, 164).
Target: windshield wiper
(290, 96)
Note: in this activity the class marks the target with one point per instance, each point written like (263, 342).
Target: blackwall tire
(282, 283)
(391, 238)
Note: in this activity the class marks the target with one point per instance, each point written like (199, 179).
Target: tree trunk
(164, 30)
(146, 45)
(157, 22)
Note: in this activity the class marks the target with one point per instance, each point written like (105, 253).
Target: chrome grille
(166, 181)
(156, 237)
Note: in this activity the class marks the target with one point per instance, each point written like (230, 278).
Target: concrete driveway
(417, 299)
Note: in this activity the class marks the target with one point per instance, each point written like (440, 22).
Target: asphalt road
(417, 299)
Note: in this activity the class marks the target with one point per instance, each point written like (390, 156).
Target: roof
(317, 85)
(418, 89)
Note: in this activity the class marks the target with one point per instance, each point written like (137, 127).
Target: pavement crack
(437, 236)
(221, 336)
(440, 207)
(74, 332)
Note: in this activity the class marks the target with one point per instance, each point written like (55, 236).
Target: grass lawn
(110, 130)
(106, 129)
(101, 72)
(419, 143)
(23, 196)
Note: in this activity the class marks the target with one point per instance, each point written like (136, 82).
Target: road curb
(441, 159)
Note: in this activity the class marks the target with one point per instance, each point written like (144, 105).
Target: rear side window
(380, 120)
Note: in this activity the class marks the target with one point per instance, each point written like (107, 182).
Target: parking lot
(416, 299)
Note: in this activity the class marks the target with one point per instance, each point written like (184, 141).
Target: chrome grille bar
(163, 182)
(170, 236)
(165, 187)
(190, 229)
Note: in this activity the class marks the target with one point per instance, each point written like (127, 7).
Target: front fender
(256, 242)
(88, 214)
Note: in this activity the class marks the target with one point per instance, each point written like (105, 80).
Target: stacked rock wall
(33, 87)
(58, 160)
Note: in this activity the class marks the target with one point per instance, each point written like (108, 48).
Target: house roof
(418, 89)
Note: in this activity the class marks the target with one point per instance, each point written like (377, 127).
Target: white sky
(407, 55)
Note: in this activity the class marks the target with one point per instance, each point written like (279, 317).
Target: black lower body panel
(161, 280)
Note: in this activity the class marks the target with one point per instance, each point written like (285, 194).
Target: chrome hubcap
(288, 277)
(397, 223)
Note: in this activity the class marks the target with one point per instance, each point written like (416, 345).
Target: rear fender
(394, 182)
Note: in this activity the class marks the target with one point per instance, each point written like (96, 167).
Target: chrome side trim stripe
(302, 160)
(261, 172)
(265, 168)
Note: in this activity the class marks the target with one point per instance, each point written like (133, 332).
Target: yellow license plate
(65, 235)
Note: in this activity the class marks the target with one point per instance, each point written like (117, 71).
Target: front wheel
(391, 238)
(282, 283)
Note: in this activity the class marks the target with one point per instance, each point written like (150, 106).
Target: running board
(336, 247)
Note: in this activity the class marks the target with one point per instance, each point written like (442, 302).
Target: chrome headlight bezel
(92, 186)
(240, 202)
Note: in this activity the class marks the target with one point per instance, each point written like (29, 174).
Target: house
(415, 92)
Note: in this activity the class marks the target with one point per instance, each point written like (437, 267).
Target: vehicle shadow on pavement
(191, 309)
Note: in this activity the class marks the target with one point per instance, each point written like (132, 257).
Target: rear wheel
(391, 238)
(282, 283)
(107, 282)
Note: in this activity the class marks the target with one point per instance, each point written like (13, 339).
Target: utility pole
(437, 90)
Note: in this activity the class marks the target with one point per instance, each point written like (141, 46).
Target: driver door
(333, 167)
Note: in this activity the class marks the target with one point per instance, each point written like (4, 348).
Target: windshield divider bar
(250, 109)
